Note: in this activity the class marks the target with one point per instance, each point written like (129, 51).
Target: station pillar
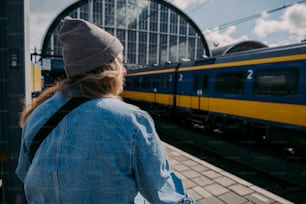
(14, 50)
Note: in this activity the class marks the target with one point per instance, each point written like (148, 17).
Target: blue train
(256, 92)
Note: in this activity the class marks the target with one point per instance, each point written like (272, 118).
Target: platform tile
(210, 184)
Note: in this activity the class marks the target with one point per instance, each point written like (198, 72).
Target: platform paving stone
(190, 174)
(240, 189)
(208, 184)
(199, 168)
(212, 174)
(216, 189)
(203, 181)
(224, 181)
(211, 200)
(194, 194)
(190, 163)
(233, 198)
(180, 167)
(259, 199)
(173, 162)
(204, 193)
(189, 183)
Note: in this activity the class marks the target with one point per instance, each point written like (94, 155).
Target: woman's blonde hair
(106, 80)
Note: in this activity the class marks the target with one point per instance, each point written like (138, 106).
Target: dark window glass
(205, 82)
(191, 48)
(121, 35)
(153, 16)
(165, 82)
(152, 48)
(128, 83)
(97, 10)
(145, 83)
(109, 13)
(195, 82)
(136, 83)
(142, 47)
(155, 82)
(183, 26)
(131, 56)
(84, 12)
(276, 82)
(143, 20)
(163, 19)
(191, 31)
(173, 22)
(230, 82)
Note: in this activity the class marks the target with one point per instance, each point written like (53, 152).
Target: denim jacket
(104, 151)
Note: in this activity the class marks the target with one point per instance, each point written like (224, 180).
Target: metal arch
(56, 22)
(80, 3)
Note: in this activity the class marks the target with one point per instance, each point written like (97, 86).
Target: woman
(103, 151)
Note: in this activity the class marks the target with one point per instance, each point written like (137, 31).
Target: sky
(223, 22)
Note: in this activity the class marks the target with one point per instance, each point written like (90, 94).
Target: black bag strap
(53, 121)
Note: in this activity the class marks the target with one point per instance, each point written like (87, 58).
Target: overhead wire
(248, 18)
(198, 7)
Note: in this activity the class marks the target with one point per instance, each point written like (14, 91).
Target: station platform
(209, 184)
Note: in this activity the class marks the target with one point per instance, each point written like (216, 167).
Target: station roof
(237, 47)
(152, 31)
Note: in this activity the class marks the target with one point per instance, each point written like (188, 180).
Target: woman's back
(103, 151)
(90, 150)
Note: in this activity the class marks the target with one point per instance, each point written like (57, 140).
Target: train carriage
(263, 88)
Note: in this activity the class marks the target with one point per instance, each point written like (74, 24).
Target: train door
(162, 87)
(197, 92)
(200, 91)
(155, 87)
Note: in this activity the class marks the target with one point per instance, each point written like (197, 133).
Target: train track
(274, 173)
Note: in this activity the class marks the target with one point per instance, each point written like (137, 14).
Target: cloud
(264, 27)
(217, 39)
(292, 21)
(38, 27)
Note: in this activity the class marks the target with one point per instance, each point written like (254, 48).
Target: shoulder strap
(53, 121)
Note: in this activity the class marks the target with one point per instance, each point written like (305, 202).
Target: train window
(146, 82)
(155, 82)
(205, 82)
(230, 82)
(195, 82)
(128, 83)
(136, 83)
(276, 82)
(165, 82)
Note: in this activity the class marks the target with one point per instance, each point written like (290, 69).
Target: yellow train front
(36, 79)
(257, 92)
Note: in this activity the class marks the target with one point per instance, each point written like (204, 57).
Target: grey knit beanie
(86, 46)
